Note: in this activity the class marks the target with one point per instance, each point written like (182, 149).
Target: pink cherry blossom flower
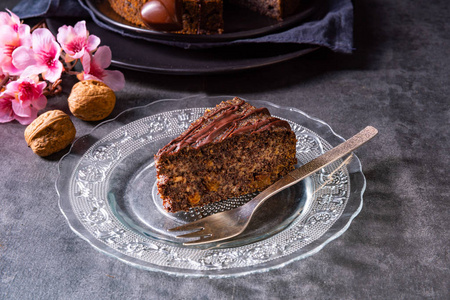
(11, 20)
(6, 111)
(11, 39)
(76, 40)
(25, 98)
(42, 58)
(94, 69)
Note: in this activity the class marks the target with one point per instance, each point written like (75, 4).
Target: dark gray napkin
(334, 30)
(50, 8)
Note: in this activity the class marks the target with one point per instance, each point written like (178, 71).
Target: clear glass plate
(107, 192)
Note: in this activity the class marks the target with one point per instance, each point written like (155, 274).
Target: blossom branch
(4, 81)
(33, 60)
(41, 24)
(53, 89)
(68, 66)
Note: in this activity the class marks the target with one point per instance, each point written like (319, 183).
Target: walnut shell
(91, 100)
(50, 132)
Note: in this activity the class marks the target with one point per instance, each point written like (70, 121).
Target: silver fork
(228, 224)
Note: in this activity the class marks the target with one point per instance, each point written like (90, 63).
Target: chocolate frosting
(224, 122)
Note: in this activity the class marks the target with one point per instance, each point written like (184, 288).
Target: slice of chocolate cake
(232, 150)
(193, 16)
(179, 16)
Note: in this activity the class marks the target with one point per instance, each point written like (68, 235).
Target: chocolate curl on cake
(162, 15)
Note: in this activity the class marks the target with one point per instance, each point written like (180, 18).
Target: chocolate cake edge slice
(232, 150)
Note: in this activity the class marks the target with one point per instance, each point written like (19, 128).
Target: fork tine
(201, 240)
(200, 233)
(188, 227)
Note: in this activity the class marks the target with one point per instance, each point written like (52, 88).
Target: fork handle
(314, 165)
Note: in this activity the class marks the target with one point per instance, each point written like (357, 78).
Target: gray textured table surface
(397, 80)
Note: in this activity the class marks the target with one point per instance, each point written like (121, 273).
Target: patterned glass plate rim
(84, 172)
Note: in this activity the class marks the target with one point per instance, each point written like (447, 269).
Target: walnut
(91, 100)
(50, 133)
